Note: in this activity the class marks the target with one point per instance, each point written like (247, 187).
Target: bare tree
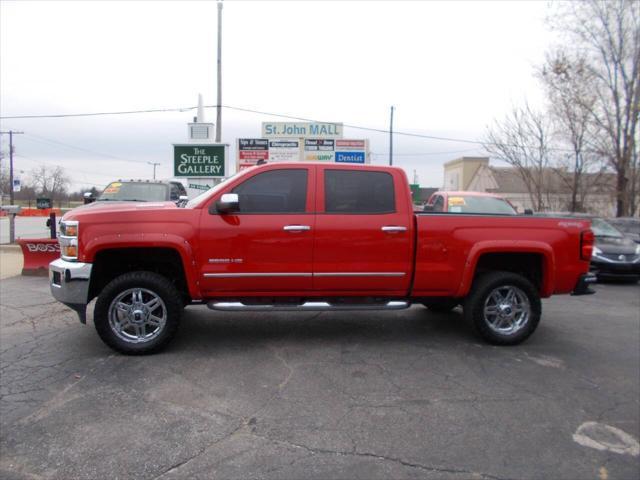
(567, 82)
(522, 140)
(50, 182)
(5, 184)
(606, 35)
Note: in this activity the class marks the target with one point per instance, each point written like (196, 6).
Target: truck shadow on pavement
(202, 329)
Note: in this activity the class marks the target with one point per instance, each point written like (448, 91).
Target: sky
(449, 68)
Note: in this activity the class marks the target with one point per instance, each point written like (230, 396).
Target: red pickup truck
(311, 236)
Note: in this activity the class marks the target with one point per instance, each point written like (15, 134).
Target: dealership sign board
(249, 151)
(284, 150)
(253, 149)
(301, 130)
(193, 161)
(349, 157)
(351, 151)
(319, 149)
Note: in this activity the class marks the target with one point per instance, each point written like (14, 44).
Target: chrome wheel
(137, 315)
(507, 310)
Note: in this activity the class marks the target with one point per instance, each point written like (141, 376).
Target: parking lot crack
(290, 370)
(386, 458)
(201, 451)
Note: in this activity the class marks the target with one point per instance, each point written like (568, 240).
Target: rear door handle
(393, 229)
(296, 228)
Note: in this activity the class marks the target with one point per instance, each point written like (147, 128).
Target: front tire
(138, 313)
(503, 308)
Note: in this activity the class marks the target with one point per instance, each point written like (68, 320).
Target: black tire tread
(162, 286)
(474, 306)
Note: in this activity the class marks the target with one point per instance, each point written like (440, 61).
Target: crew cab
(311, 236)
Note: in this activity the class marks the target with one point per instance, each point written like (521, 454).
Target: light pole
(391, 137)
(219, 106)
(12, 217)
(155, 164)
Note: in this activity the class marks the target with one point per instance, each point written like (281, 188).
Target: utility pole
(391, 137)
(219, 105)
(155, 164)
(12, 217)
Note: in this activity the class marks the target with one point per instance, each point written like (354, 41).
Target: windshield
(627, 226)
(134, 192)
(196, 201)
(471, 204)
(603, 229)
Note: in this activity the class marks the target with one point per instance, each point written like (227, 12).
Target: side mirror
(428, 208)
(528, 211)
(228, 203)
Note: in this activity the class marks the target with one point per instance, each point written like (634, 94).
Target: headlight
(597, 251)
(69, 229)
(638, 249)
(69, 240)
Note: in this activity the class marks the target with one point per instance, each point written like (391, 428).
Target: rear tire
(138, 313)
(503, 308)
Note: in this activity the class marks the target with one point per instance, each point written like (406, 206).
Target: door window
(438, 205)
(175, 192)
(359, 192)
(276, 191)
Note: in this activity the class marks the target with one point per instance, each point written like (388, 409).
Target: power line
(424, 154)
(348, 125)
(395, 132)
(42, 162)
(240, 109)
(277, 115)
(97, 114)
(82, 149)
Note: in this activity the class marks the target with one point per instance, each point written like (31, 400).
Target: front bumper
(69, 283)
(615, 269)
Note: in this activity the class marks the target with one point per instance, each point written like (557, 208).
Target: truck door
(364, 232)
(266, 247)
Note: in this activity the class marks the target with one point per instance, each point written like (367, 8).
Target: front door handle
(393, 229)
(296, 228)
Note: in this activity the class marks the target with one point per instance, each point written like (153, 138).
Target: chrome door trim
(304, 274)
(251, 274)
(359, 274)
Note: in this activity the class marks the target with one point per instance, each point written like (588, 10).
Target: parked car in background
(615, 255)
(469, 202)
(143, 191)
(630, 226)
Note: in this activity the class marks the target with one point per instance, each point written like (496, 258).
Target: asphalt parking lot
(407, 394)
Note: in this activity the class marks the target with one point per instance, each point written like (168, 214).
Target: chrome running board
(307, 306)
